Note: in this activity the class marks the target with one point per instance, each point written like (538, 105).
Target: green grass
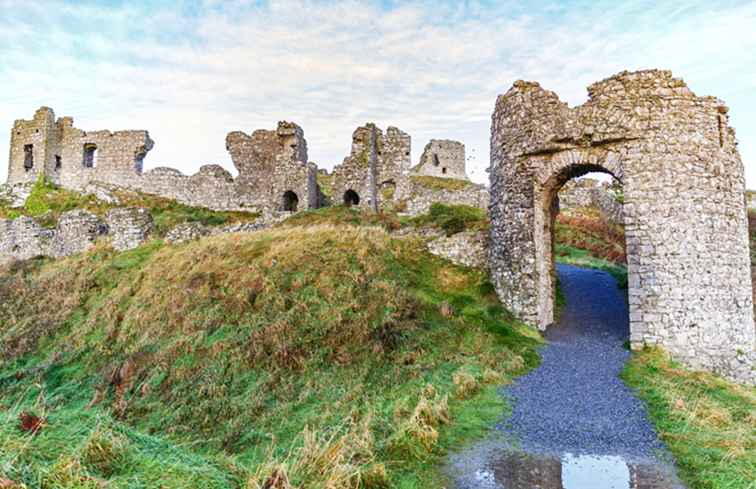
(329, 354)
(47, 202)
(438, 183)
(709, 424)
(343, 215)
(453, 219)
(583, 258)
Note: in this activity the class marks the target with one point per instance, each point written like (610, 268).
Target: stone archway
(290, 201)
(685, 219)
(351, 198)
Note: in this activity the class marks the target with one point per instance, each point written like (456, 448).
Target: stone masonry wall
(684, 213)
(270, 163)
(442, 158)
(376, 168)
(589, 193)
(420, 196)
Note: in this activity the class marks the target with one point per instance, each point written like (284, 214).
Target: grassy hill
(310, 355)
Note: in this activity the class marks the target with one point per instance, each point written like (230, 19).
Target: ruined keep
(373, 175)
(274, 174)
(442, 158)
(684, 213)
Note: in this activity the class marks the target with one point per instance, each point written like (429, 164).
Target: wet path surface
(574, 424)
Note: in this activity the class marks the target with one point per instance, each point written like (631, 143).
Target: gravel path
(574, 404)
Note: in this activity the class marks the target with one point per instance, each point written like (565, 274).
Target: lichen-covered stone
(469, 248)
(684, 213)
(129, 227)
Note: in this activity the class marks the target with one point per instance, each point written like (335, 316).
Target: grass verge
(709, 424)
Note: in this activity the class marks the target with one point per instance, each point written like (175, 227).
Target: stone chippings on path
(574, 402)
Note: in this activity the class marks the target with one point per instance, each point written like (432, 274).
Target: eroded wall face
(270, 163)
(685, 219)
(376, 168)
(444, 159)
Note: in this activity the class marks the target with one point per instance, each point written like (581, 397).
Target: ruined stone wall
(685, 219)
(468, 248)
(421, 195)
(442, 158)
(24, 238)
(376, 169)
(270, 163)
(589, 193)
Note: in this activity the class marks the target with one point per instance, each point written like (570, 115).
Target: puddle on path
(518, 470)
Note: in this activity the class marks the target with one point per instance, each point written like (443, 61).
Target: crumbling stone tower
(684, 213)
(443, 158)
(69, 156)
(273, 166)
(374, 174)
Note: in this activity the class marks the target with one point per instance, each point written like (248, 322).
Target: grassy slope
(709, 424)
(583, 238)
(327, 355)
(47, 202)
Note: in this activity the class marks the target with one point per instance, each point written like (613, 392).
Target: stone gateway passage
(684, 209)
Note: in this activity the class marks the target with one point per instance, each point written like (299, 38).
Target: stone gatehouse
(685, 219)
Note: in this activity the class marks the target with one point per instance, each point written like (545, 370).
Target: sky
(190, 72)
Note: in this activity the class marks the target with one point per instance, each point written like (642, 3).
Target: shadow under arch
(351, 198)
(290, 201)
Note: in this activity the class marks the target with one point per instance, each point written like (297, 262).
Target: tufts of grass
(438, 183)
(583, 258)
(709, 424)
(588, 229)
(453, 218)
(343, 215)
(309, 355)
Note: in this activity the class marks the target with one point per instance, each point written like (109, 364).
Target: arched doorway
(689, 284)
(552, 211)
(351, 198)
(290, 201)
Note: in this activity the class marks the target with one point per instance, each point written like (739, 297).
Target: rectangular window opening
(28, 157)
(90, 155)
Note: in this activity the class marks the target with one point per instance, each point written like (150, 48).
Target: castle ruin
(444, 159)
(274, 174)
(684, 214)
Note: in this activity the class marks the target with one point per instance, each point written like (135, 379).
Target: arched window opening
(290, 201)
(28, 157)
(443, 170)
(351, 198)
(58, 162)
(436, 161)
(90, 155)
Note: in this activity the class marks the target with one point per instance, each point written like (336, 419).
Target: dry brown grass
(589, 230)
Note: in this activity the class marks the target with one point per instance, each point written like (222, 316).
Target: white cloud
(433, 70)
